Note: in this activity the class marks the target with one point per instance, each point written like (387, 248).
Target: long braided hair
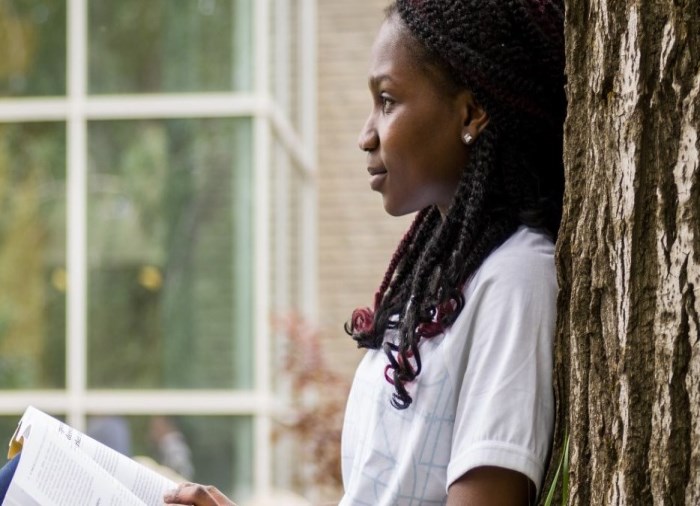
(510, 55)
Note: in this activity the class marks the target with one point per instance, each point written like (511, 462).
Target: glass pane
(169, 247)
(285, 58)
(169, 46)
(8, 424)
(215, 450)
(32, 255)
(32, 47)
(287, 183)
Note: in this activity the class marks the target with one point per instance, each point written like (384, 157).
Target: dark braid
(398, 256)
(509, 53)
(425, 226)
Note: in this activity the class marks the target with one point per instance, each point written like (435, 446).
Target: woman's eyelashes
(386, 102)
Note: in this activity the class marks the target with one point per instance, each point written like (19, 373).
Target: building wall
(356, 236)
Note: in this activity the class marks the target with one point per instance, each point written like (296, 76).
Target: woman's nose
(368, 139)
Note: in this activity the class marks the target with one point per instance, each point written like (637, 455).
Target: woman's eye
(386, 102)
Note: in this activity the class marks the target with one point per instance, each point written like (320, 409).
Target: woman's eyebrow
(375, 81)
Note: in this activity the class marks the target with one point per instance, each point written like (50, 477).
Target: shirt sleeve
(505, 408)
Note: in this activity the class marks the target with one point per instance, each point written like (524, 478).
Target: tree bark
(628, 355)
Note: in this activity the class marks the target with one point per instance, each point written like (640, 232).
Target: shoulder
(512, 296)
(525, 261)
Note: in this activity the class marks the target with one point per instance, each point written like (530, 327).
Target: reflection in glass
(32, 255)
(32, 47)
(169, 243)
(208, 449)
(162, 46)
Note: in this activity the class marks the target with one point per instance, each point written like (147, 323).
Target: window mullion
(308, 259)
(261, 212)
(76, 166)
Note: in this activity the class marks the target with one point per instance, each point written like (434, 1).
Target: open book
(60, 466)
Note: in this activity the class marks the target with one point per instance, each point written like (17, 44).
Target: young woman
(452, 403)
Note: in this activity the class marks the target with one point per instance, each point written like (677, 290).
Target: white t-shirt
(484, 396)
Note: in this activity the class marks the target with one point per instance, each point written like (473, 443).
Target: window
(157, 195)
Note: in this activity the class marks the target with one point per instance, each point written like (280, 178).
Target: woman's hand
(192, 494)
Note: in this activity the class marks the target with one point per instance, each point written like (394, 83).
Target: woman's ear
(475, 117)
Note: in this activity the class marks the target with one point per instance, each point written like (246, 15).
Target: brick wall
(356, 236)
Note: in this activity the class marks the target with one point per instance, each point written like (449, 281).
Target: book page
(68, 468)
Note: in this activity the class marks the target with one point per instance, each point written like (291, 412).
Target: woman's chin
(397, 209)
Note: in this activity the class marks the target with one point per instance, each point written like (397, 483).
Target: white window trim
(76, 182)
(262, 455)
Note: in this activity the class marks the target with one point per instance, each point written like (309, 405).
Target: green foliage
(563, 470)
(164, 46)
(32, 48)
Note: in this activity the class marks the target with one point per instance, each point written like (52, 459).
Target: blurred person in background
(171, 444)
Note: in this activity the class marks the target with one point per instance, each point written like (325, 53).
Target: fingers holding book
(197, 495)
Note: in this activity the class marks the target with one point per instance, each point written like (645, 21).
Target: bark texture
(628, 355)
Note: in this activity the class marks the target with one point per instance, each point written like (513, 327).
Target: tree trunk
(628, 355)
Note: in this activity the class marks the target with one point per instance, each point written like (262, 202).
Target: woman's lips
(376, 177)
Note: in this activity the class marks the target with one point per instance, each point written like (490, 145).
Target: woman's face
(413, 135)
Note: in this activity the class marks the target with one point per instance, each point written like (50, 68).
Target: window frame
(271, 127)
